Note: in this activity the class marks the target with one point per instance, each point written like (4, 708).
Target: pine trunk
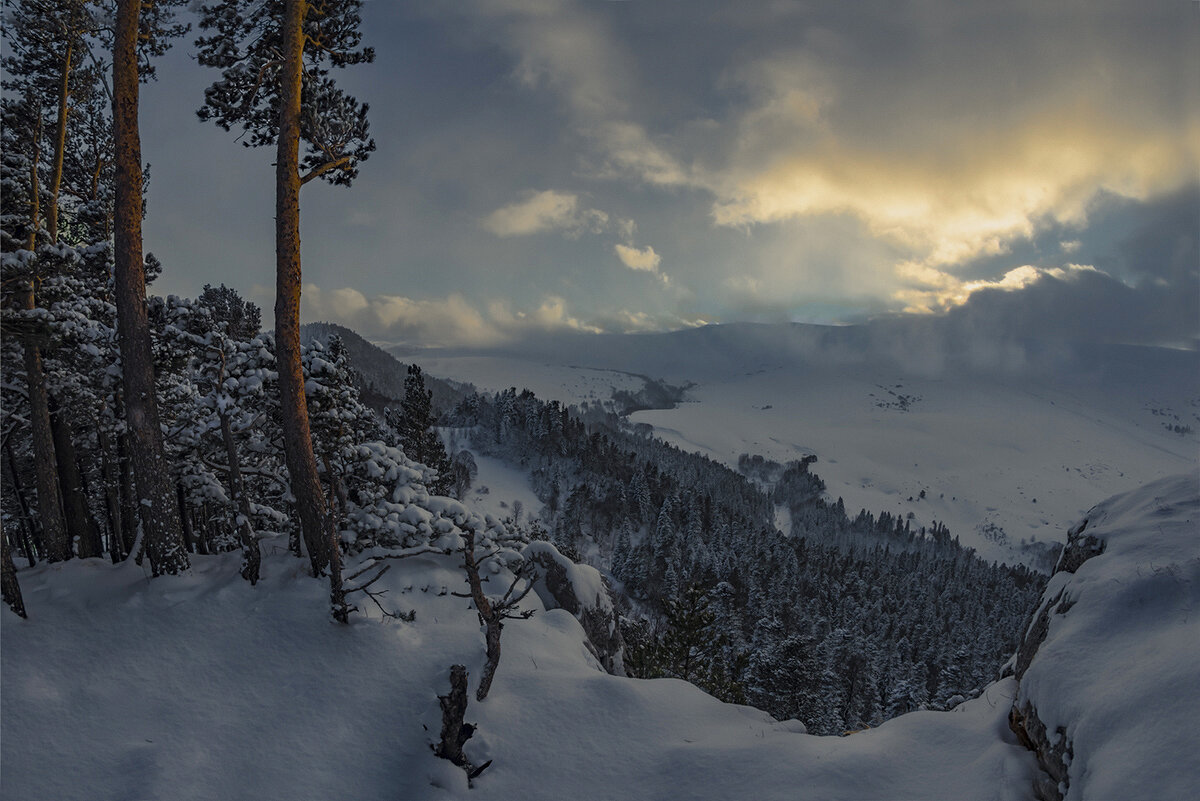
(185, 519)
(35, 191)
(60, 142)
(81, 526)
(163, 541)
(129, 504)
(10, 588)
(26, 517)
(297, 437)
(54, 526)
(110, 477)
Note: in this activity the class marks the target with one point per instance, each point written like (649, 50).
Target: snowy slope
(202, 687)
(1008, 442)
(1116, 680)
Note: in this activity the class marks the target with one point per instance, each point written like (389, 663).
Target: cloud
(438, 322)
(547, 210)
(633, 258)
(936, 290)
(455, 321)
(844, 162)
(1084, 306)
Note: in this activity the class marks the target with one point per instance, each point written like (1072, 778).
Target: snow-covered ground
(1118, 674)
(498, 487)
(202, 687)
(1017, 443)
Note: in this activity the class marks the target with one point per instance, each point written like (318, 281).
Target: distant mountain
(382, 374)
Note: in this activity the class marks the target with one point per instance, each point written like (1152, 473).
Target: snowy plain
(1008, 443)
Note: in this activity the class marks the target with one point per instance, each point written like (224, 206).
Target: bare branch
(419, 550)
(373, 579)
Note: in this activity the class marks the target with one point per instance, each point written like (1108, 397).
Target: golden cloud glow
(934, 290)
(966, 201)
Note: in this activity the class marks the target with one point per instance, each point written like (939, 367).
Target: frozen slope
(202, 687)
(1110, 667)
(1008, 442)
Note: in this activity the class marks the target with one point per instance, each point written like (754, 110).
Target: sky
(634, 166)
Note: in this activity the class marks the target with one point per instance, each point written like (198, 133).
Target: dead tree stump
(455, 732)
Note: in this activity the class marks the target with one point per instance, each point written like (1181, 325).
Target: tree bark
(297, 437)
(54, 526)
(60, 141)
(26, 517)
(251, 556)
(111, 479)
(81, 526)
(10, 588)
(455, 732)
(491, 617)
(35, 191)
(129, 504)
(185, 519)
(161, 530)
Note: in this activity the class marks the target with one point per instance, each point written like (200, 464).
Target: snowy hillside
(201, 686)
(1008, 443)
(1110, 666)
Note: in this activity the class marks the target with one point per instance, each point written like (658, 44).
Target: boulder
(580, 590)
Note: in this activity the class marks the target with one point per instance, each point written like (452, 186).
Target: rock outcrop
(1110, 659)
(580, 590)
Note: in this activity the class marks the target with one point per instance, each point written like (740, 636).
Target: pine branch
(339, 163)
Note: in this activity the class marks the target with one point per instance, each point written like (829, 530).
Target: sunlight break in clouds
(952, 146)
(438, 322)
(941, 291)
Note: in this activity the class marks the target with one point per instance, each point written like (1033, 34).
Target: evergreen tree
(274, 84)
(163, 536)
(414, 425)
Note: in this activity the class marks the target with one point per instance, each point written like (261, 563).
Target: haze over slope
(1008, 440)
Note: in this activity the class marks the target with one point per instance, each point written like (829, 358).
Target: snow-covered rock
(580, 590)
(1110, 662)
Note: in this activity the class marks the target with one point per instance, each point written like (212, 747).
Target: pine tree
(162, 530)
(274, 84)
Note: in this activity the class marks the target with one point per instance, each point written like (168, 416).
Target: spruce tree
(415, 429)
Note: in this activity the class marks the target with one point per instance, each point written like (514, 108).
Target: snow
(586, 580)
(1120, 669)
(1022, 442)
(200, 687)
(498, 485)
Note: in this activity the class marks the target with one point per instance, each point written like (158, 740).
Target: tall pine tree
(274, 58)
